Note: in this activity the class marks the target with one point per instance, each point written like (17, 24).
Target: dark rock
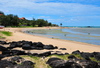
(72, 64)
(39, 44)
(26, 47)
(52, 59)
(88, 64)
(6, 53)
(17, 59)
(76, 52)
(62, 49)
(3, 48)
(33, 47)
(97, 55)
(55, 47)
(58, 53)
(15, 44)
(48, 47)
(86, 56)
(39, 48)
(12, 46)
(27, 42)
(17, 52)
(23, 66)
(44, 54)
(35, 54)
(3, 42)
(66, 53)
(5, 63)
(28, 63)
(56, 63)
(34, 44)
(1, 56)
(71, 57)
(91, 64)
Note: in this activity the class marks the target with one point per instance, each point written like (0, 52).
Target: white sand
(69, 45)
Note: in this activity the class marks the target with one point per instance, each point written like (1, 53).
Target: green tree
(61, 24)
(50, 24)
(3, 20)
(1, 12)
(41, 22)
(13, 20)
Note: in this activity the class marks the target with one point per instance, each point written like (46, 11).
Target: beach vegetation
(78, 56)
(3, 34)
(11, 20)
(1, 37)
(40, 62)
(6, 33)
(94, 59)
(65, 57)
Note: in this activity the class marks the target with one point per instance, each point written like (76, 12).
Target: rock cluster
(28, 45)
(16, 62)
(72, 62)
(86, 55)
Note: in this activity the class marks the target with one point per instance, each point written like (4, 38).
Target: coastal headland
(71, 46)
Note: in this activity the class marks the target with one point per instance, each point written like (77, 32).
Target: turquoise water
(84, 26)
(86, 35)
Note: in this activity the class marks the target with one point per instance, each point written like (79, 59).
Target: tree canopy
(14, 21)
(1, 12)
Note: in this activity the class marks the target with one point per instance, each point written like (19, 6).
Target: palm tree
(61, 24)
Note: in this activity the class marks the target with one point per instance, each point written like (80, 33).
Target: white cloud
(83, 20)
(44, 17)
(48, 8)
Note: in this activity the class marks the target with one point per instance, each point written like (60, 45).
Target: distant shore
(71, 46)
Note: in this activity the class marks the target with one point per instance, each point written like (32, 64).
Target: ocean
(86, 35)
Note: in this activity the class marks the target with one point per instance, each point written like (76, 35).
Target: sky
(67, 12)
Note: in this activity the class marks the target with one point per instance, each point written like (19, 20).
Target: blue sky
(67, 12)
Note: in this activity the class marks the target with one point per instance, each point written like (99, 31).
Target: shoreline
(64, 40)
(53, 37)
(18, 35)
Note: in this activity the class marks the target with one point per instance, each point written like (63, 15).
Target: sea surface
(86, 35)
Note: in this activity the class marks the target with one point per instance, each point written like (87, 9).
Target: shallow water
(87, 35)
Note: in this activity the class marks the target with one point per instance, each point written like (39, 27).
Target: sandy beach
(71, 46)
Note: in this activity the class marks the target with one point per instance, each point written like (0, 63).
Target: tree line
(11, 20)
